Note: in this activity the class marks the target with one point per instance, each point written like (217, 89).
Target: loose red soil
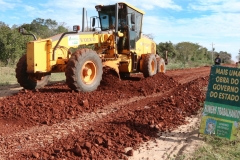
(119, 114)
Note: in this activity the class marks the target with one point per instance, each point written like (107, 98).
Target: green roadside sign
(221, 112)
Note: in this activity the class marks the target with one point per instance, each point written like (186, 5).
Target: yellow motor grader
(116, 34)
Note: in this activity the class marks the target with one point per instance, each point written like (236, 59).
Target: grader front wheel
(84, 71)
(29, 81)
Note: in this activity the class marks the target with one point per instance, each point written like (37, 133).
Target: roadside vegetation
(7, 75)
(217, 148)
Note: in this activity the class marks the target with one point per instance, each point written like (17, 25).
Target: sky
(209, 23)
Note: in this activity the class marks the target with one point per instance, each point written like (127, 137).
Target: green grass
(57, 77)
(217, 148)
(180, 65)
(7, 75)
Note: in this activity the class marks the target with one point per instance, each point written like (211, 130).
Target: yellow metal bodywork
(40, 52)
(39, 61)
(144, 46)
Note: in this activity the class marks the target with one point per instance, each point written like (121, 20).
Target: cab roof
(138, 10)
(129, 5)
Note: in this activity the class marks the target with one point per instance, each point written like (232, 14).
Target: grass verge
(217, 148)
(7, 75)
(181, 65)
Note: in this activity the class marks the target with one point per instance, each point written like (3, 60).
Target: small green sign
(221, 112)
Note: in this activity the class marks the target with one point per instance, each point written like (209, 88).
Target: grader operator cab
(116, 34)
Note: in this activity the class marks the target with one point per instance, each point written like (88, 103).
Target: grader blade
(112, 65)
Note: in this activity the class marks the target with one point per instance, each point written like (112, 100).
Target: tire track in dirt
(176, 143)
(185, 75)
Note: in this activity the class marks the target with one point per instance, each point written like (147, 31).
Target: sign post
(221, 112)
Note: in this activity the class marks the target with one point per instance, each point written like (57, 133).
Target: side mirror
(93, 22)
(22, 31)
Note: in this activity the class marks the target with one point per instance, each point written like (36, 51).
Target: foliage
(8, 78)
(7, 75)
(187, 51)
(179, 65)
(166, 48)
(189, 54)
(13, 44)
(225, 57)
(44, 28)
(218, 148)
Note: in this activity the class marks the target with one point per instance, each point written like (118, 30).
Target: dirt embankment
(55, 122)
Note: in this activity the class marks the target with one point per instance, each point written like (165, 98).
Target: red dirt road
(55, 122)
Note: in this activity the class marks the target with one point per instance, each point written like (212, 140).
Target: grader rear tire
(84, 71)
(149, 65)
(29, 81)
(161, 67)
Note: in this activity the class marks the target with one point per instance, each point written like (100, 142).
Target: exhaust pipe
(116, 22)
(83, 19)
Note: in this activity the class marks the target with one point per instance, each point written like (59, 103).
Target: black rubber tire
(124, 75)
(161, 67)
(149, 65)
(26, 80)
(74, 70)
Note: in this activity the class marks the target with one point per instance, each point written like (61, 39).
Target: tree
(45, 28)
(12, 44)
(4, 30)
(225, 57)
(167, 47)
(188, 51)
